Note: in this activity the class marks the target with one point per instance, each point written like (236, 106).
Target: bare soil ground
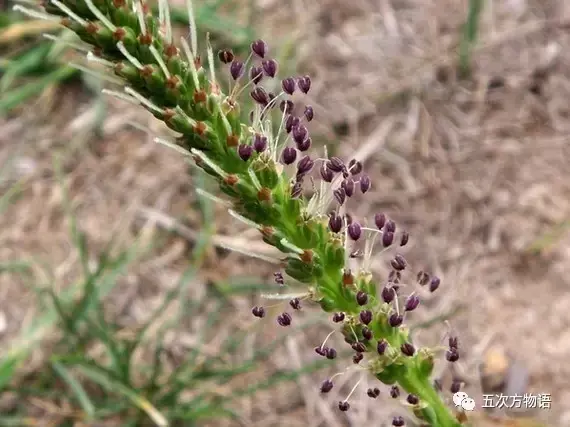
(476, 170)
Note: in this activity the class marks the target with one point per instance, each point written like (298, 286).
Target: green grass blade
(15, 97)
(101, 378)
(469, 38)
(8, 366)
(77, 389)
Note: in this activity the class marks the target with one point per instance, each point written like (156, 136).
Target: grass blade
(76, 388)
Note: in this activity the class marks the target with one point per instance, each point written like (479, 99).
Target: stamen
(244, 219)
(129, 57)
(100, 16)
(92, 58)
(160, 61)
(77, 46)
(140, 16)
(68, 11)
(143, 100)
(209, 162)
(211, 197)
(120, 95)
(353, 390)
(192, 23)
(191, 62)
(172, 145)
(326, 339)
(94, 73)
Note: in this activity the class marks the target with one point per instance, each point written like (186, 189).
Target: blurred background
(119, 305)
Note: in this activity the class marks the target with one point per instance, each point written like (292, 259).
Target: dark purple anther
(290, 123)
(354, 231)
(300, 133)
(305, 145)
(236, 69)
(387, 238)
(286, 106)
(335, 224)
(288, 85)
(359, 347)
(326, 174)
(343, 406)
(390, 226)
(255, 74)
(304, 84)
(381, 347)
(455, 386)
(365, 316)
(259, 47)
(367, 333)
(289, 155)
(361, 298)
(321, 350)
(395, 320)
(364, 183)
(260, 96)
(423, 278)
(284, 319)
(373, 392)
(434, 283)
(258, 312)
(270, 67)
(331, 353)
(326, 386)
(348, 185)
(412, 399)
(407, 349)
(412, 302)
(453, 342)
(398, 263)
(338, 317)
(226, 56)
(354, 167)
(245, 152)
(295, 303)
(394, 392)
(398, 422)
(388, 294)
(404, 239)
(357, 358)
(339, 195)
(305, 165)
(452, 355)
(259, 143)
(309, 113)
(297, 190)
(278, 277)
(380, 220)
(335, 164)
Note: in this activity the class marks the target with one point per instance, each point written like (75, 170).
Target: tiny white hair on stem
(93, 58)
(82, 48)
(284, 296)
(246, 252)
(291, 246)
(140, 16)
(127, 54)
(143, 100)
(100, 16)
(35, 13)
(160, 61)
(192, 23)
(172, 145)
(121, 95)
(180, 111)
(191, 62)
(101, 76)
(164, 18)
(210, 54)
(203, 193)
(209, 162)
(244, 219)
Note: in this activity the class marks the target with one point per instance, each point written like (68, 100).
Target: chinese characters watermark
(526, 401)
